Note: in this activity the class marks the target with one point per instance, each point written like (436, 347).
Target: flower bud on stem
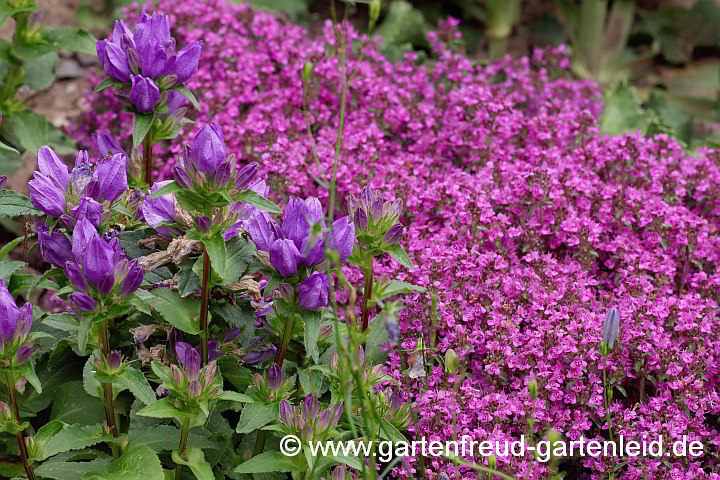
(367, 294)
(19, 437)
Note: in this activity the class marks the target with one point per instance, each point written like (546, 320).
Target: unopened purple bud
(286, 292)
(24, 322)
(106, 284)
(260, 355)
(3, 181)
(90, 209)
(209, 373)
(285, 413)
(339, 409)
(76, 276)
(67, 221)
(4, 410)
(393, 234)
(162, 392)
(47, 194)
(106, 144)
(246, 175)
(611, 327)
(181, 177)
(22, 355)
(310, 407)
(187, 61)
(323, 420)
(192, 364)
(224, 171)
(338, 473)
(194, 389)
(133, 60)
(144, 94)
(114, 60)
(175, 99)
(208, 150)
(343, 237)
(203, 224)
(284, 257)
(312, 293)
(274, 377)
(134, 278)
(360, 219)
(54, 247)
(177, 375)
(109, 180)
(82, 301)
(114, 360)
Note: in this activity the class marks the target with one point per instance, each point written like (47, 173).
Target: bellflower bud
(360, 219)
(263, 230)
(343, 237)
(54, 247)
(285, 413)
(109, 179)
(82, 301)
(22, 355)
(186, 62)
(194, 389)
(90, 209)
(144, 94)
(260, 355)
(114, 60)
(3, 181)
(274, 377)
(310, 407)
(47, 195)
(393, 234)
(177, 375)
(181, 177)
(76, 276)
(284, 257)
(203, 224)
(223, 172)
(175, 100)
(114, 360)
(50, 164)
(106, 144)
(99, 261)
(611, 327)
(208, 149)
(133, 280)
(313, 291)
(245, 176)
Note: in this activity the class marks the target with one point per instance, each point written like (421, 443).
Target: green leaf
(72, 405)
(240, 253)
(141, 126)
(138, 461)
(7, 248)
(256, 415)
(389, 432)
(165, 437)
(294, 8)
(248, 196)
(136, 382)
(397, 252)
(7, 10)
(189, 95)
(107, 82)
(7, 268)
(40, 71)
(174, 309)
(195, 459)
(377, 335)
(396, 287)
(267, 462)
(8, 148)
(622, 112)
(54, 39)
(215, 247)
(14, 204)
(28, 371)
(171, 187)
(162, 408)
(75, 437)
(235, 397)
(43, 436)
(31, 131)
(62, 470)
(312, 321)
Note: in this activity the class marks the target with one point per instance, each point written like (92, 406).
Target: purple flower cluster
(146, 59)
(15, 326)
(99, 268)
(295, 245)
(526, 224)
(77, 195)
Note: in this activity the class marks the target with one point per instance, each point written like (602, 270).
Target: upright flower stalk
(205, 305)
(611, 327)
(15, 352)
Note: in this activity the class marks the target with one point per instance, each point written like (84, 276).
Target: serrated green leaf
(72, 405)
(8, 247)
(40, 71)
(256, 415)
(166, 437)
(31, 131)
(28, 371)
(62, 470)
(171, 187)
(138, 461)
(215, 247)
(267, 462)
(248, 196)
(195, 459)
(172, 308)
(107, 82)
(7, 268)
(235, 397)
(76, 437)
(162, 408)
(240, 253)
(397, 252)
(43, 436)
(54, 39)
(141, 126)
(312, 323)
(14, 204)
(136, 382)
